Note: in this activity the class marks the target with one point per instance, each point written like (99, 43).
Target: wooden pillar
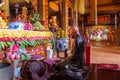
(64, 15)
(7, 11)
(115, 21)
(46, 8)
(96, 17)
(43, 11)
(40, 8)
(75, 18)
(75, 13)
(93, 11)
(117, 31)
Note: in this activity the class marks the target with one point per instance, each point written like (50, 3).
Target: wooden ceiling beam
(52, 0)
(107, 9)
(109, 4)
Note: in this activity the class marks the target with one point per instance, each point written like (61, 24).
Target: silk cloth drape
(79, 6)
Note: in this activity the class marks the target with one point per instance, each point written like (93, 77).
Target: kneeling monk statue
(73, 66)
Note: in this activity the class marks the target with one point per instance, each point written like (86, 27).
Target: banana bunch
(61, 33)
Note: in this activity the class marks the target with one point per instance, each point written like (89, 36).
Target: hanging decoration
(93, 11)
(81, 6)
(75, 5)
(16, 9)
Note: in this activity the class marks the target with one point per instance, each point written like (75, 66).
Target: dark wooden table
(103, 74)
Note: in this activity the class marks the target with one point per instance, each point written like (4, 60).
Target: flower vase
(62, 44)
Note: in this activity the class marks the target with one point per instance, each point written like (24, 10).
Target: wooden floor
(109, 55)
(102, 74)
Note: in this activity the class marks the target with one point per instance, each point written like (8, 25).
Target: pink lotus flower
(37, 38)
(9, 54)
(1, 56)
(17, 57)
(9, 39)
(12, 56)
(16, 39)
(22, 39)
(30, 39)
(4, 39)
(42, 38)
(34, 38)
(16, 47)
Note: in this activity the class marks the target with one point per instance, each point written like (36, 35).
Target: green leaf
(13, 43)
(22, 47)
(2, 45)
(9, 43)
(6, 45)
(38, 42)
(20, 43)
(27, 42)
(33, 43)
(24, 43)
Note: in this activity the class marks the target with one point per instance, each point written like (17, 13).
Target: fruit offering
(28, 26)
(17, 53)
(38, 26)
(16, 56)
(3, 23)
(53, 24)
(36, 22)
(61, 33)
